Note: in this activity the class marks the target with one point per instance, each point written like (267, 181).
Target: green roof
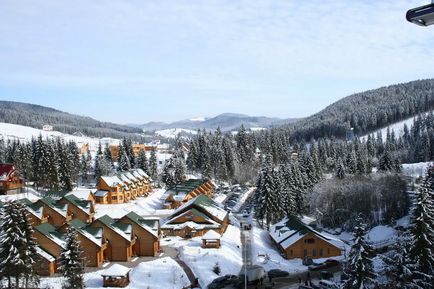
(78, 202)
(77, 224)
(50, 231)
(188, 185)
(140, 220)
(196, 213)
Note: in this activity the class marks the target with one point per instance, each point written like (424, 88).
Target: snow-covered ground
(415, 170)
(162, 273)
(30, 194)
(202, 261)
(144, 206)
(174, 132)
(25, 133)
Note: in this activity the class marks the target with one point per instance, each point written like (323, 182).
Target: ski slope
(174, 132)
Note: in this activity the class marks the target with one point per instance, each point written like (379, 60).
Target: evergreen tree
(142, 161)
(422, 233)
(340, 169)
(167, 176)
(359, 267)
(153, 166)
(386, 162)
(124, 161)
(72, 263)
(398, 265)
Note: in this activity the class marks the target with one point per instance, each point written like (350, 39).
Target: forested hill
(36, 116)
(368, 111)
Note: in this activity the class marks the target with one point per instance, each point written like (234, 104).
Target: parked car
(276, 273)
(223, 281)
(327, 264)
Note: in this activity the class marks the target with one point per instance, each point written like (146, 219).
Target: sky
(144, 60)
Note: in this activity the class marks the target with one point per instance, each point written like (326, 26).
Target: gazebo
(211, 240)
(116, 276)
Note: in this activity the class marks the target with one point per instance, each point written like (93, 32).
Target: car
(277, 273)
(222, 282)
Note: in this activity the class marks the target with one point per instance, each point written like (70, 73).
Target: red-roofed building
(11, 181)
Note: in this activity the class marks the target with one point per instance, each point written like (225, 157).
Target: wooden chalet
(84, 194)
(37, 214)
(11, 182)
(46, 265)
(147, 233)
(180, 194)
(196, 218)
(92, 242)
(80, 209)
(297, 239)
(50, 241)
(123, 187)
(120, 239)
(58, 213)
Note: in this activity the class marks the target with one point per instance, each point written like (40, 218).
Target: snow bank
(381, 234)
(415, 170)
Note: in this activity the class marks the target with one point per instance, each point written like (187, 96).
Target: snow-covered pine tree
(266, 206)
(422, 233)
(167, 175)
(65, 180)
(179, 169)
(359, 267)
(12, 244)
(72, 262)
(386, 162)
(28, 252)
(340, 169)
(398, 266)
(142, 161)
(153, 166)
(123, 161)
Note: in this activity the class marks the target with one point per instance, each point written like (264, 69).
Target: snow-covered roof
(50, 232)
(47, 256)
(211, 235)
(101, 193)
(116, 270)
(191, 224)
(124, 230)
(93, 234)
(112, 181)
(291, 229)
(82, 194)
(208, 205)
(150, 225)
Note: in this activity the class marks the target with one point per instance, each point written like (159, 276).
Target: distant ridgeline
(36, 116)
(367, 111)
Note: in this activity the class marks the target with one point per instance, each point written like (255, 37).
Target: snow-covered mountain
(226, 122)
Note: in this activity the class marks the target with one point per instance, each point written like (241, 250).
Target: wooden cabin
(211, 240)
(196, 218)
(180, 194)
(83, 210)
(296, 239)
(11, 182)
(50, 240)
(84, 194)
(37, 214)
(120, 239)
(147, 233)
(92, 241)
(117, 276)
(58, 213)
(146, 180)
(111, 190)
(46, 264)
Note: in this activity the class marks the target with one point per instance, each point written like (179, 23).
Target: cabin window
(309, 241)
(291, 253)
(320, 252)
(114, 198)
(314, 252)
(305, 252)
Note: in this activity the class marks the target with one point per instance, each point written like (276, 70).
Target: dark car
(327, 264)
(224, 281)
(276, 273)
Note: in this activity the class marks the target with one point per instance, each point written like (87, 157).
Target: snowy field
(415, 170)
(163, 273)
(174, 132)
(144, 206)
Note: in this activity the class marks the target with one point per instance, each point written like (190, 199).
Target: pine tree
(340, 169)
(72, 262)
(422, 233)
(386, 162)
(153, 166)
(167, 176)
(142, 161)
(124, 161)
(12, 244)
(398, 265)
(360, 269)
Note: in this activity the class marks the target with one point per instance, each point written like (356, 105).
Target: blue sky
(144, 60)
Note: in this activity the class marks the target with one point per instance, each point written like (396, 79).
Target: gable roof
(112, 181)
(50, 232)
(291, 229)
(124, 230)
(62, 209)
(116, 270)
(151, 225)
(6, 171)
(207, 204)
(179, 191)
(211, 235)
(93, 234)
(44, 254)
(84, 205)
(210, 223)
(36, 209)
